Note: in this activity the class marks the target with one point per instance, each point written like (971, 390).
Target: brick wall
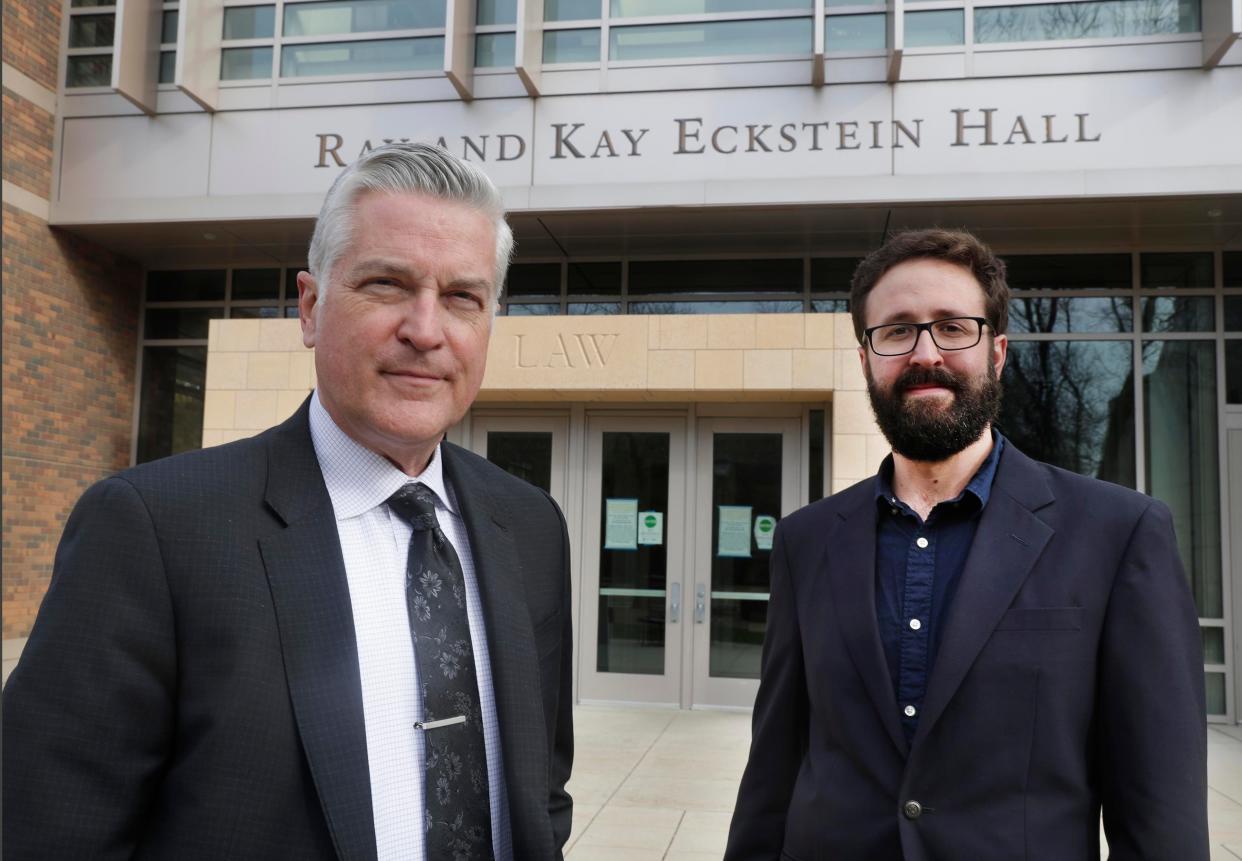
(32, 38)
(27, 144)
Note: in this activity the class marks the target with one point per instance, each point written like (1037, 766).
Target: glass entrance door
(633, 560)
(531, 447)
(747, 480)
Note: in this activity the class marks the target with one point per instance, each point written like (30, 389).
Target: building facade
(691, 183)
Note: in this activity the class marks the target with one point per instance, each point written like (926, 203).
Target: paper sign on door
(733, 533)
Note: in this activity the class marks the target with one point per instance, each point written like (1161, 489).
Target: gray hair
(414, 168)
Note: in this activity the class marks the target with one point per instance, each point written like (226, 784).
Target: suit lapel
(511, 648)
(849, 558)
(1009, 540)
(310, 593)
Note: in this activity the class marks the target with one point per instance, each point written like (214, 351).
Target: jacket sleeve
(778, 728)
(88, 711)
(560, 804)
(1151, 725)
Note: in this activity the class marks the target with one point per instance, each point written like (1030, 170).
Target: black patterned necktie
(458, 815)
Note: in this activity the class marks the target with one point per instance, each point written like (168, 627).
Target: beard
(925, 429)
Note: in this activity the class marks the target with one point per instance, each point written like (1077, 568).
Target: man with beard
(970, 654)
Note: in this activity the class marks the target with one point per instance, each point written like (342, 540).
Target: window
(1111, 18)
(495, 40)
(91, 32)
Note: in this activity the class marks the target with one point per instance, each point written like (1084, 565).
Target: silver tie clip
(436, 724)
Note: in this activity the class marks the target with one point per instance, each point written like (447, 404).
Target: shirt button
(915, 624)
(912, 809)
(910, 711)
(921, 542)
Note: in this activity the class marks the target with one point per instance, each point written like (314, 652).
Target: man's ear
(1000, 352)
(308, 307)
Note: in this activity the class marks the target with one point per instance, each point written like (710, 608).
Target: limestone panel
(813, 369)
(851, 413)
(235, 336)
(843, 330)
(768, 369)
(255, 410)
(226, 370)
(268, 371)
(218, 409)
(849, 456)
(731, 331)
(718, 369)
(689, 332)
(779, 331)
(670, 369)
(280, 335)
(818, 330)
(568, 353)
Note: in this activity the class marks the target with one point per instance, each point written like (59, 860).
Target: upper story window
(495, 41)
(91, 33)
(1095, 20)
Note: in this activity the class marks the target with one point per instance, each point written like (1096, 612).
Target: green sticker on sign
(765, 526)
(650, 527)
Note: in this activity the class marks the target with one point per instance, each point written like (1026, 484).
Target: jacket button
(912, 809)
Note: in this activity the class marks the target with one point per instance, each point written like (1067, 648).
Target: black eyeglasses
(951, 333)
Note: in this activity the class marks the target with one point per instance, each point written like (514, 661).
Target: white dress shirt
(375, 543)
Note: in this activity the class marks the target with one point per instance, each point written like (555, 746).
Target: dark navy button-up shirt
(918, 565)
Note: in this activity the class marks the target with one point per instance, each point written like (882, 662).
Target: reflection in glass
(640, 8)
(830, 306)
(571, 10)
(833, 274)
(528, 455)
(1179, 314)
(1179, 387)
(359, 58)
(683, 277)
(1070, 314)
(168, 27)
(1099, 20)
(1213, 645)
(495, 12)
(1214, 685)
(533, 309)
(91, 31)
(252, 312)
(360, 16)
(571, 46)
(845, 33)
(245, 64)
(250, 22)
(168, 66)
(171, 416)
(1191, 269)
(746, 470)
(711, 39)
(185, 285)
(633, 582)
(533, 279)
(594, 279)
(163, 323)
(1233, 372)
(769, 306)
(931, 29)
(1071, 403)
(91, 70)
(1068, 271)
(492, 50)
(594, 308)
(256, 284)
(1233, 313)
(1231, 265)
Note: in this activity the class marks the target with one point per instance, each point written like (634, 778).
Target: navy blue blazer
(1070, 676)
(191, 689)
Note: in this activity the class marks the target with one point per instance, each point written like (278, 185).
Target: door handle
(674, 603)
(700, 603)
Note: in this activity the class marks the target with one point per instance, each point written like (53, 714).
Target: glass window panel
(179, 322)
(571, 10)
(1233, 372)
(250, 22)
(833, 274)
(571, 46)
(711, 39)
(1068, 271)
(94, 70)
(594, 279)
(1213, 645)
(816, 450)
(360, 16)
(358, 58)
(1214, 686)
(536, 309)
(648, 277)
(533, 279)
(168, 66)
(1231, 263)
(1233, 313)
(930, 29)
(492, 50)
(1180, 269)
(91, 31)
(171, 416)
(91, 4)
(291, 310)
(186, 285)
(1066, 314)
(168, 27)
(496, 12)
(767, 306)
(1179, 314)
(594, 308)
(245, 64)
(256, 284)
(836, 4)
(631, 626)
(1179, 386)
(528, 455)
(847, 33)
(253, 312)
(642, 8)
(1085, 20)
(737, 638)
(1071, 403)
(830, 306)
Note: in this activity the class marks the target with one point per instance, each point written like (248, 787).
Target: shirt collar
(979, 486)
(359, 479)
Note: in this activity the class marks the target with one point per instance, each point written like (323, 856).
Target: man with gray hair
(343, 638)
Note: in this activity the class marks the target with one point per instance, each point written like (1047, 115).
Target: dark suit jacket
(191, 686)
(1070, 674)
